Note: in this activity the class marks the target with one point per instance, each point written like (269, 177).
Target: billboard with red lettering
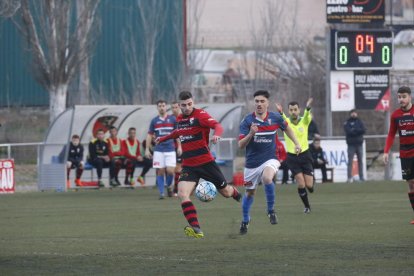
(6, 176)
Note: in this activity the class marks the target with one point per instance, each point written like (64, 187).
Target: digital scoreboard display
(363, 49)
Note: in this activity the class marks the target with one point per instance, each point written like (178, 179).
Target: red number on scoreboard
(364, 44)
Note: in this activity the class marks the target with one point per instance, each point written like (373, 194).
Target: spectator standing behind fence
(318, 158)
(132, 155)
(75, 159)
(354, 130)
(99, 154)
(116, 154)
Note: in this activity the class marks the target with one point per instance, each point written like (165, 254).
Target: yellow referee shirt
(301, 131)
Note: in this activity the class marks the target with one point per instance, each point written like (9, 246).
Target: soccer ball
(205, 191)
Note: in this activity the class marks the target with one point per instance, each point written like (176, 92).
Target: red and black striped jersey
(193, 131)
(403, 122)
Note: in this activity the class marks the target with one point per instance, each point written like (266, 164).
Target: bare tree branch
(9, 7)
(59, 41)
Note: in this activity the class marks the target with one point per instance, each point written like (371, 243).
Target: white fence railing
(26, 157)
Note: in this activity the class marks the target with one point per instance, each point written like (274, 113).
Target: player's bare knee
(184, 196)
(267, 179)
(250, 192)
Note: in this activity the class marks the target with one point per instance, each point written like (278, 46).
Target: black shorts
(407, 168)
(301, 163)
(75, 164)
(209, 171)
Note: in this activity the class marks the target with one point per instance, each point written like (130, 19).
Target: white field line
(138, 257)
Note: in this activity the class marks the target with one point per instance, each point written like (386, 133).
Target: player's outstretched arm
(279, 108)
(390, 140)
(309, 103)
(292, 136)
(385, 158)
(148, 141)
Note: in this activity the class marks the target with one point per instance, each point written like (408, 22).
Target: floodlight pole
(328, 113)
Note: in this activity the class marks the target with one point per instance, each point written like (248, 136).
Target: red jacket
(116, 148)
(280, 150)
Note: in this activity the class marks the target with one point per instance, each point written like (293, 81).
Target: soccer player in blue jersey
(258, 136)
(164, 159)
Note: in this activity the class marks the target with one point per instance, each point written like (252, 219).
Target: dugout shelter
(84, 120)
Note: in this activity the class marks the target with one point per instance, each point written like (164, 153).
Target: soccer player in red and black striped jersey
(193, 129)
(402, 120)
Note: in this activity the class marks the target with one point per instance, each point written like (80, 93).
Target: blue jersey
(161, 127)
(262, 146)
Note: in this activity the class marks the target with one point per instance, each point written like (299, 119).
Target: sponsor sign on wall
(7, 176)
(372, 90)
(336, 154)
(355, 11)
(342, 90)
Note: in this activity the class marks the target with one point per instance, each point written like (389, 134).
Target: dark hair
(174, 102)
(160, 101)
(352, 110)
(293, 103)
(404, 89)
(263, 93)
(132, 128)
(185, 95)
(112, 127)
(75, 136)
(316, 139)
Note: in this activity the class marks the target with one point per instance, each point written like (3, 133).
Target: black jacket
(98, 148)
(312, 130)
(75, 153)
(316, 154)
(354, 131)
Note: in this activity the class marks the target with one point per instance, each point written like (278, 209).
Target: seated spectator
(146, 163)
(281, 156)
(75, 159)
(318, 158)
(116, 154)
(99, 154)
(132, 155)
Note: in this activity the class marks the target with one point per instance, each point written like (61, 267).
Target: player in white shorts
(258, 136)
(164, 159)
(252, 177)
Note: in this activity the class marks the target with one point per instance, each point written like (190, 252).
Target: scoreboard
(363, 49)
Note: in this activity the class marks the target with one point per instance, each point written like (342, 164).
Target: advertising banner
(342, 90)
(336, 154)
(7, 184)
(355, 11)
(372, 90)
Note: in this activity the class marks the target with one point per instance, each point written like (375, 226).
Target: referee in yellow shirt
(300, 164)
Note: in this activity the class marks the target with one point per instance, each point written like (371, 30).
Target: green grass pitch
(353, 229)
